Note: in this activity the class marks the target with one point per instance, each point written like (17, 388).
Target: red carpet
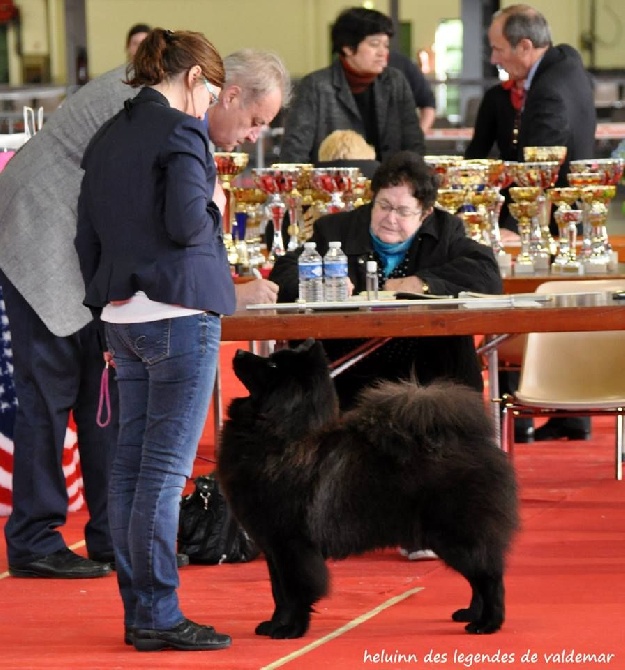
(564, 593)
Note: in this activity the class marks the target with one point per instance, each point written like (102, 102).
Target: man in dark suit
(559, 110)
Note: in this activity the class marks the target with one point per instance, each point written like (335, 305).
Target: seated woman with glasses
(419, 249)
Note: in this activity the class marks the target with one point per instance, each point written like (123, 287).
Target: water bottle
(335, 274)
(310, 267)
(372, 280)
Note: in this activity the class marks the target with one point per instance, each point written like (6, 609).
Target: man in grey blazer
(56, 348)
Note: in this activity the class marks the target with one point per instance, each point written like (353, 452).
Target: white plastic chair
(577, 374)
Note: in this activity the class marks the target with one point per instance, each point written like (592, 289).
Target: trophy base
(593, 267)
(570, 269)
(505, 264)
(523, 269)
(541, 265)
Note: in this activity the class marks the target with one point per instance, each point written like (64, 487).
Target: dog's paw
(483, 627)
(265, 628)
(464, 615)
(289, 631)
(283, 630)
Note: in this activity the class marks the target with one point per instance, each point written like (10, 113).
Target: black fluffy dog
(408, 466)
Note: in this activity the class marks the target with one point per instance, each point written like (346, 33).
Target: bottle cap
(334, 244)
(372, 266)
(309, 245)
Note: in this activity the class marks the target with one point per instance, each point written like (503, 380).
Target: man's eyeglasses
(213, 92)
(402, 212)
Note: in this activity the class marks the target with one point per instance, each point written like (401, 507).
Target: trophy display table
(616, 241)
(529, 283)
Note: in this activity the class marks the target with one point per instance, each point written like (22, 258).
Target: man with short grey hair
(558, 110)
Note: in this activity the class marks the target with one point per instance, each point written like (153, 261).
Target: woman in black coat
(419, 249)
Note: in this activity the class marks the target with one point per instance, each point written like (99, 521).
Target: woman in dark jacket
(357, 92)
(419, 249)
(151, 253)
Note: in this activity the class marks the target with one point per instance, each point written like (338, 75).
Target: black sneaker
(186, 636)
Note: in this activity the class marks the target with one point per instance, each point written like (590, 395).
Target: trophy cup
(567, 219)
(596, 199)
(580, 180)
(489, 201)
(440, 165)
(541, 174)
(524, 208)
(295, 198)
(229, 165)
(335, 181)
(450, 199)
(542, 154)
(275, 182)
(362, 191)
(476, 225)
(611, 171)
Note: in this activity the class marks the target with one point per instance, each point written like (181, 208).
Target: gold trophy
(596, 199)
(567, 219)
(553, 153)
(229, 165)
(440, 165)
(524, 209)
(541, 174)
(450, 199)
(608, 172)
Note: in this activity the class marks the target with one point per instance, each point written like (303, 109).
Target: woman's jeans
(165, 372)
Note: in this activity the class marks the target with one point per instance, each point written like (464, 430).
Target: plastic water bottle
(335, 274)
(310, 268)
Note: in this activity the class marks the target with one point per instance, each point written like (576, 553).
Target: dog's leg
(299, 578)
(490, 589)
(266, 627)
(471, 613)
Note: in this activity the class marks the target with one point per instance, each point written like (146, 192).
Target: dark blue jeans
(165, 373)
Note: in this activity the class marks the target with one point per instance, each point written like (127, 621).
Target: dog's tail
(443, 408)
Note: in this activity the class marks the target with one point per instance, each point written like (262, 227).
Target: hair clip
(169, 36)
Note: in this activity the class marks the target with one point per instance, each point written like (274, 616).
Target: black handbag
(207, 531)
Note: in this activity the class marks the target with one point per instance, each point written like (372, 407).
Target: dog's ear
(252, 370)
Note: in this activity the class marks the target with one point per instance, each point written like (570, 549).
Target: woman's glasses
(402, 212)
(213, 92)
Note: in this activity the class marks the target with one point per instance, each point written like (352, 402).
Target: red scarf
(357, 81)
(517, 95)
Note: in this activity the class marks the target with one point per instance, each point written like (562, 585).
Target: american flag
(8, 408)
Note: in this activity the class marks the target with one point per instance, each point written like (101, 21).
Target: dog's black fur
(408, 466)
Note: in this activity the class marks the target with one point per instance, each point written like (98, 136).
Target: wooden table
(563, 313)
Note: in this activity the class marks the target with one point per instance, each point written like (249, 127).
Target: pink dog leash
(105, 399)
